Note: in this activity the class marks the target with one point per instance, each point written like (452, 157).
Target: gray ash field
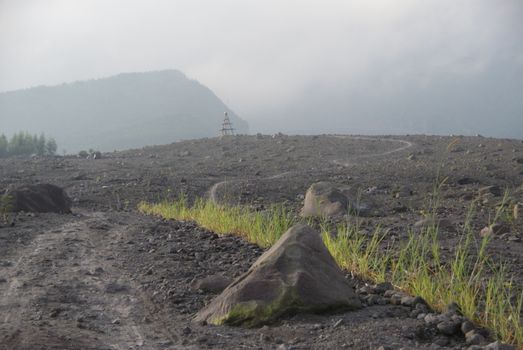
(108, 277)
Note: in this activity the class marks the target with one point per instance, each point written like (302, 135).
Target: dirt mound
(297, 274)
(41, 198)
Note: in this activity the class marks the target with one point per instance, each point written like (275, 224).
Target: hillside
(124, 111)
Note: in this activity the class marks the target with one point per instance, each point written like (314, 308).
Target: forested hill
(124, 111)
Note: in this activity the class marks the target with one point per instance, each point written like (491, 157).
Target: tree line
(25, 144)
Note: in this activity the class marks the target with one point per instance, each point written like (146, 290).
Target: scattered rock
(497, 345)
(448, 327)
(474, 338)
(493, 190)
(467, 326)
(407, 301)
(466, 181)
(453, 309)
(338, 323)
(297, 274)
(494, 229)
(443, 224)
(381, 288)
(440, 341)
(113, 288)
(213, 284)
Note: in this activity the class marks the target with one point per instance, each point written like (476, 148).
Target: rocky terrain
(108, 277)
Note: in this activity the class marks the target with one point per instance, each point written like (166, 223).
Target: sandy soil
(107, 277)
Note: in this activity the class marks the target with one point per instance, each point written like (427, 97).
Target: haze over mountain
(357, 66)
(124, 111)
(487, 102)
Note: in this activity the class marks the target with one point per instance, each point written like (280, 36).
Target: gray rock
(213, 284)
(443, 224)
(324, 199)
(396, 299)
(495, 229)
(497, 345)
(381, 288)
(441, 341)
(453, 309)
(467, 326)
(448, 327)
(474, 338)
(493, 190)
(389, 293)
(372, 299)
(475, 347)
(297, 274)
(431, 319)
(407, 301)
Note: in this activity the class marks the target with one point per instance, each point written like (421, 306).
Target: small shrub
(24, 144)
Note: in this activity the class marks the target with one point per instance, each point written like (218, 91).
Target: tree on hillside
(40, 145)
(3, 145)
(23, 143)
(50, 147)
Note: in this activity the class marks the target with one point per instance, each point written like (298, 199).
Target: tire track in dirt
(66, 292)
(212, 192)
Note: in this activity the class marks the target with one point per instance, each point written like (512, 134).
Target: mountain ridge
(90, 113)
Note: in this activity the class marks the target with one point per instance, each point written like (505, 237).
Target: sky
(268, 59)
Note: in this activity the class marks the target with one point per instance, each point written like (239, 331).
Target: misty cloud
(270, 60)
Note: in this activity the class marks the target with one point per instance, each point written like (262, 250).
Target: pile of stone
(442, 327)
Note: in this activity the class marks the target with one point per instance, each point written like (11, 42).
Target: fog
(405, 66)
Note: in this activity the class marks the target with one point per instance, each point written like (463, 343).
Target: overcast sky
(260, 55)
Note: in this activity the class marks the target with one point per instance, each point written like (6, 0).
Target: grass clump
(261, 228)
(482, 288)
(484, 291)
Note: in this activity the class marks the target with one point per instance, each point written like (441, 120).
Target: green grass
(261, 228)
(483, 289)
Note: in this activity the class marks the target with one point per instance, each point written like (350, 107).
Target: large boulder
(297, 274)
(41, 198)
(324, 199)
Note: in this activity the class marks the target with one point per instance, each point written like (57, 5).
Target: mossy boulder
(296, 275)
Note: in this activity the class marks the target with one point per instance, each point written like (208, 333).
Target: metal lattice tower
(227, 128)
